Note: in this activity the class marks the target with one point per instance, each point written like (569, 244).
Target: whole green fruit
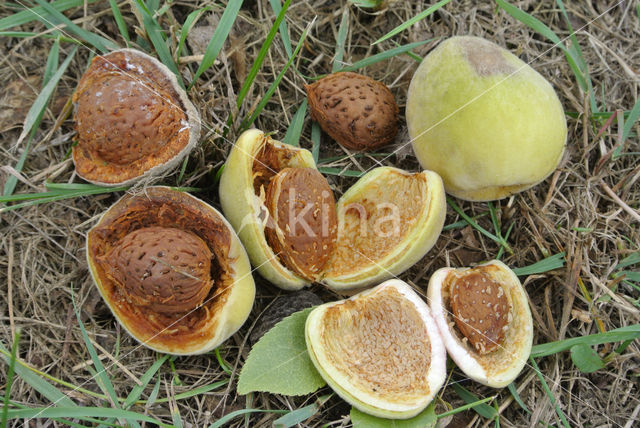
(484, 120)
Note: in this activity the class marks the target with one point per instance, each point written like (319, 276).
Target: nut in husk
(484, 319)
(386, 221)
(172, 271)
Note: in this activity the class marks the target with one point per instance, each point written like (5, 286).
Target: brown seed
(303, 241)
(358, 112)
(162, 268)
(481, 323)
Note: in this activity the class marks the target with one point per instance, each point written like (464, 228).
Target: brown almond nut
(132, 118)
(480, 309)
(161, 268)
(360, 113)
(304, 227)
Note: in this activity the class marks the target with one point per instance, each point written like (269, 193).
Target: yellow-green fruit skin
(484, 120)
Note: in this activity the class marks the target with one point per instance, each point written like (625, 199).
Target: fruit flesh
(485, 121)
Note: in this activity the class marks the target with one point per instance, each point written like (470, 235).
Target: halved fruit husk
(254, 159)
(380, 350)
(501, 366)
(227, 305)
(387, 220)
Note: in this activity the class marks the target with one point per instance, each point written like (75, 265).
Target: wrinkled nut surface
(480, 309)
(163, 268)
(379, 350)
(171, 270)
(484, 319)
(304, 228)
(357, 111)
(484, 120)
(132, 118)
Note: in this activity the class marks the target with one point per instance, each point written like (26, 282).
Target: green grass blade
(191, 20)
(316, 138)
(42, 99)
(382, 56)
(284, 31)
(257, 63)
(49, 71)
(267, 96)
(340, 43)
(122, 26)
(550, 395)
(634, 114)
(629, 260)
(545, 265)
(223, 365)
(102, 377)
(478, 405)
(36, 382)
(538, 26)
(300, 415)
(81, 413)
(196, 391)
(137, 390)
(514, 393)
(32, 14)
(99, 42)
(9, 382)
(25, 34)
(155, 33)
(340, 172)
(219, 36)
(412, 21)
(292, 137)
(56, 196)
(476, 226)
(226, 418)
(465, 407)
(630, 332)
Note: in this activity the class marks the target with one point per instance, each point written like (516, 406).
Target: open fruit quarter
(484, 319)
(283, 210)
(379, 350)
(172, 271)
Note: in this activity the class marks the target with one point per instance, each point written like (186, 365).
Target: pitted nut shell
(133, 119)
(357, 111)
(387, 221)
(172, 271)
(484, 319)
(379, 350)
(165, 269)
(304, 228)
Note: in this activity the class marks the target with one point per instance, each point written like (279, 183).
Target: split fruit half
(133, 119)
(380, 350)
(484, 318)
(172, 271)
(284, 212)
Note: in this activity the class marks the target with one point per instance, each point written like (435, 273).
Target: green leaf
(279, 363)
(81, 413)
(634, 114)
(341, 172)
(585, 358)
(226, 418)
(137, 390)
(412, 21)
(547, 390)
(481, 408)
(192, 18)
(545, 265)
(630, 332)
(426, 419)
(514, 393)
(12, 366)
(631, 259)
(316, 138)
(219, 36)
(292, 137)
